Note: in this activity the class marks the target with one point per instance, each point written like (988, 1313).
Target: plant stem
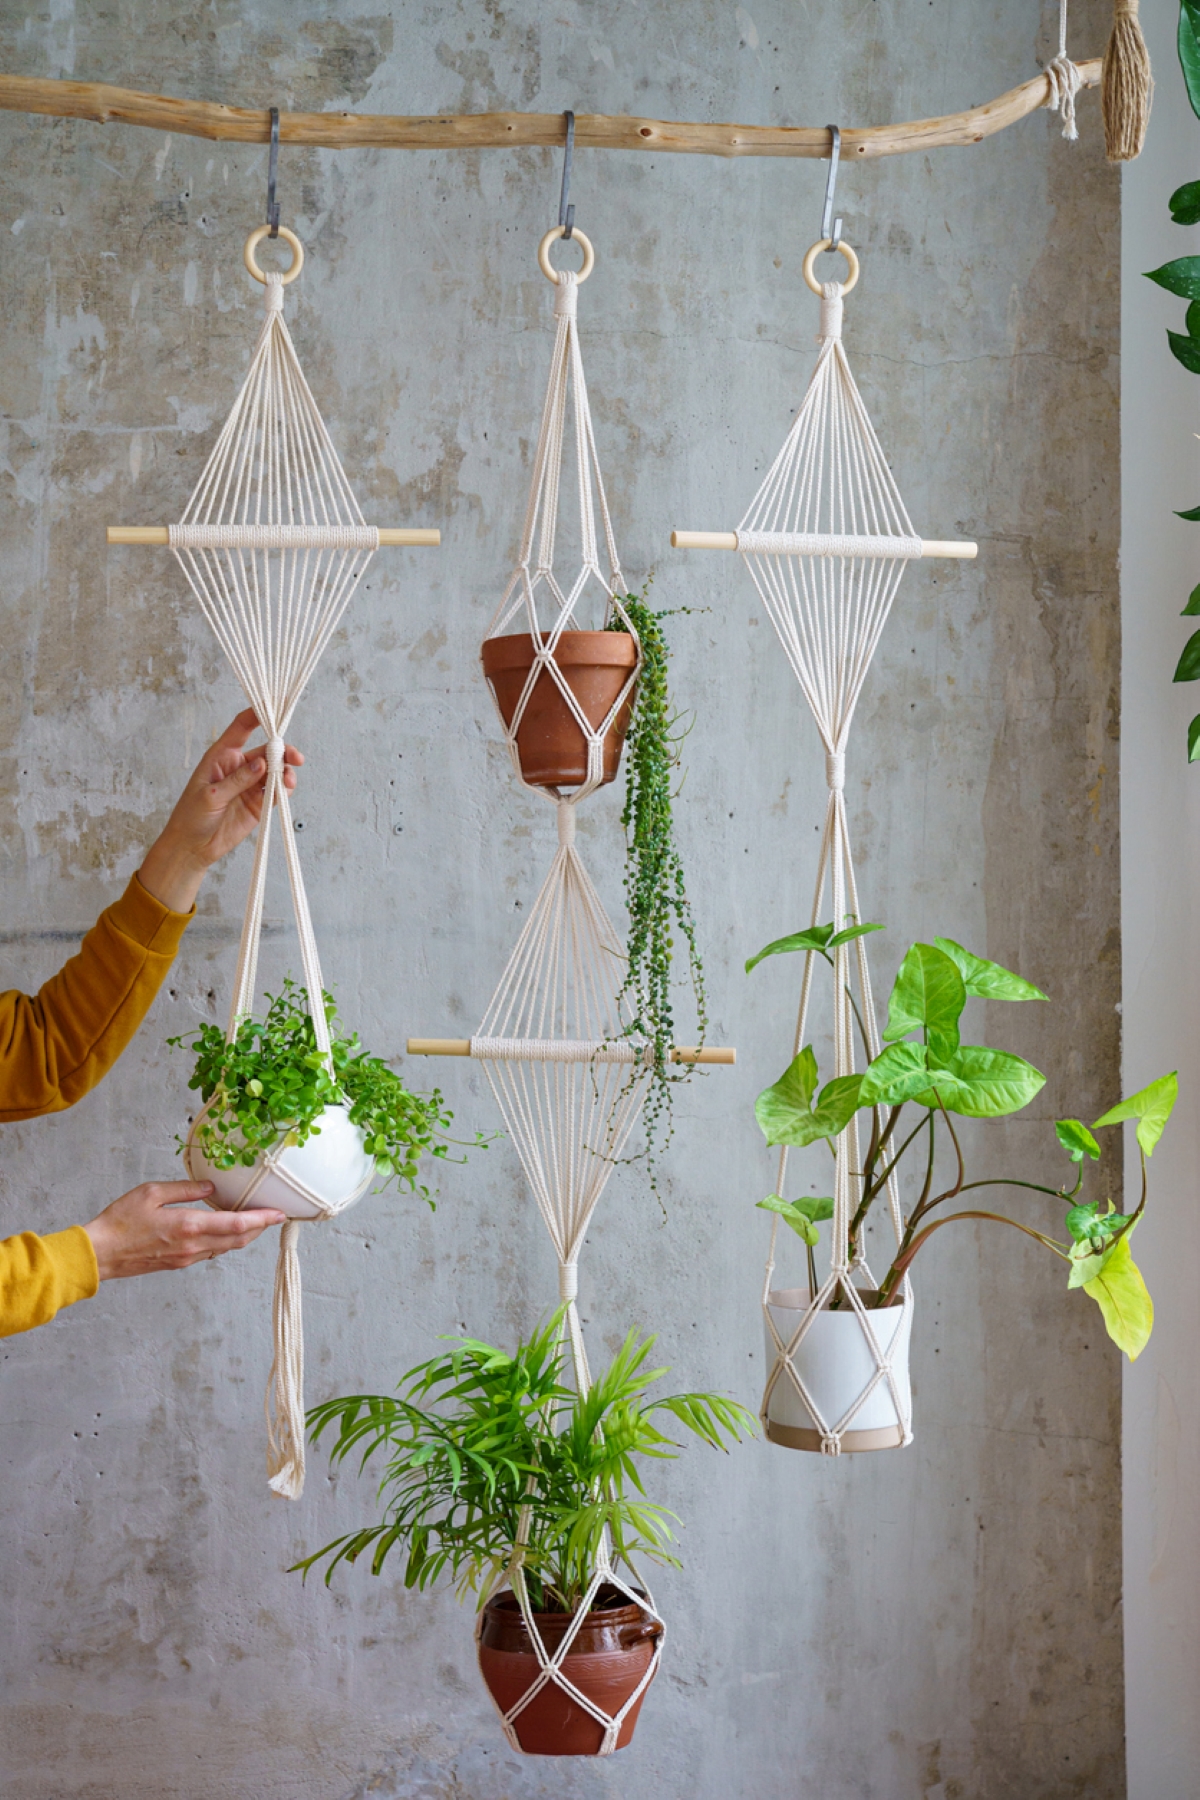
(904, 1259)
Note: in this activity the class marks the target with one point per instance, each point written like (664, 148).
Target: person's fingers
(250, 775)
(236, 733)
(293, 756)
(171, 1193)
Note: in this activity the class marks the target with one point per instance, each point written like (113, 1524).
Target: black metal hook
(831, 228)
(566, 213)
(272, 171)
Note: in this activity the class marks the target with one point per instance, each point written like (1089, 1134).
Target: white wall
(1160, 822)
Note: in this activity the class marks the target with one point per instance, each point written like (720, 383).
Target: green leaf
(1185, 204)
(1150, 1106)
(987, 980)
(794, 1216)
(1194, 740)
(815, 938)
(1193, 605)
(1182, 276)
(1122, 1296)
(1191, 319)
(899, 1073)
(1192, 515)
(988, 1084)
(1188, 667)
(1086, 1264)
(1187, 351)
(1188, 42)
(849, 933)
(928, 993)
(1076, 1140)
(785, 1112)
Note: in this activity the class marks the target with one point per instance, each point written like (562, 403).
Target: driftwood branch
(507, 131)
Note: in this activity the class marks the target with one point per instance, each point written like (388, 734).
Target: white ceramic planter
(331, 1166)
(835, 1363)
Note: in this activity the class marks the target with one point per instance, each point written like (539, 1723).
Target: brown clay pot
(550, 745)
(609, 1654)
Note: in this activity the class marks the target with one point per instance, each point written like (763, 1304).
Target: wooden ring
(290, 239)
(577, 236)
(827, 244)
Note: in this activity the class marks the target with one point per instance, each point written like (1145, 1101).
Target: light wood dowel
(404, 535)
(103, 104)
(682, 1053)
(963, 551)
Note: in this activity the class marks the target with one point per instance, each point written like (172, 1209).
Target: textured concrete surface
(942, 1622)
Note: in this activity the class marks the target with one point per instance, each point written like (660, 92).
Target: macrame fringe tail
(1126, 86)
(285, 1389)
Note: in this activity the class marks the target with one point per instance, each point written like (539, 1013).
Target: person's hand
(147, 1229)
(220, 805)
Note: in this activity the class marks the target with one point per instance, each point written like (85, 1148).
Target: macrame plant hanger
(273, 545)
(568, 1081)
(826, 540)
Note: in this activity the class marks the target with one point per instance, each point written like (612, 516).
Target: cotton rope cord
(1065, 79)
(831, 480)
(534, 587)
(1126, 85)
(273, 546)
(569, 1084)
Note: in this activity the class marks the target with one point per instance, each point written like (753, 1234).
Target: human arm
(144, 1231)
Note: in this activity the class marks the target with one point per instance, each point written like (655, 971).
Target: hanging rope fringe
(273, 546)
(1065, 79)
(1126, 85)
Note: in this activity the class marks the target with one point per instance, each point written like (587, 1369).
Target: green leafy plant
(476, 1435)
(660, 912)
(1181, 276)
(272, 1082)
(925, 1065)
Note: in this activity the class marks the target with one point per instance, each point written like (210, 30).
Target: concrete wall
(1160, 813)
(943, 1622)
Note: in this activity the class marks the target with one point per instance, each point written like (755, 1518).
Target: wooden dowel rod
(410, 535)
(963, 551)
(682, 1053)
(104, 104)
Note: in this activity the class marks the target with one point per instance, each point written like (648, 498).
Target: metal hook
(272, 170)
(831, 228)
(566, 214)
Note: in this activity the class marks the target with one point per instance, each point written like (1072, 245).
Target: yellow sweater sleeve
(40, 1275)
(58, 1043)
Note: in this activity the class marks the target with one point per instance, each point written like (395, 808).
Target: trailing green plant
(924, 1065)
(660, 912)
(272, 1082)
(1182, 276)
(475, 1436)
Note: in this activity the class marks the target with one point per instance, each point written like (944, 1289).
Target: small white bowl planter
(324, 1175)
(835, 1362)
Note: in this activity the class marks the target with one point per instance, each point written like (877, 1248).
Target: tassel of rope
(1065, 79)
(1126, 85)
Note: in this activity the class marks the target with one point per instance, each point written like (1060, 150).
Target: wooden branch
(507, 131)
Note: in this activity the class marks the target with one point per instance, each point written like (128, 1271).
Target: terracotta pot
(835, 1363)
(609, 1655)
(550, 744)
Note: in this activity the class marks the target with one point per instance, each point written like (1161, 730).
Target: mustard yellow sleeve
(41, 1275)
(59, 1042)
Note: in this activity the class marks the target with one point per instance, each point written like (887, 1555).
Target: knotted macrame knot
(568, 1282)
(566, 295)
(1065, 83)
(275, 749)
(566, 823)
(831, 310)
(835, 770)
(831, 1445)
(274, 292)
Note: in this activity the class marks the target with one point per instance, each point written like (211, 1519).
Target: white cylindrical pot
(326, 1174)
(836, 1363)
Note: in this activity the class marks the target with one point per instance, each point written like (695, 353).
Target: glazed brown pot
(609, 1654)
(551, 747)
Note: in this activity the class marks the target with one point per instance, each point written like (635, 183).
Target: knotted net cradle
(826, 540)
(273, 545)
(569, 1085)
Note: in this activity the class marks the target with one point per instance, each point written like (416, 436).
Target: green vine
(660, 913)
(271, 1082)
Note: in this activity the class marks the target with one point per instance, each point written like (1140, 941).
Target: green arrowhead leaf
(785, 1111)
(1187, 351)
(986, 979)
(928, 994)
(1194, 740)
(1122, 1296)
(1188, 667)
(837, 1104)
(1150, 1106)
(1077, 1141)
(984, 1084)
(815, 938)
(1188, 41)
(1182, 276)
(816, 1207)
(1185, 204)
(1193, 605)
(1086, 1264)
(849, 933)
(900, 1072)
(799, 1221)
(1192, 515)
